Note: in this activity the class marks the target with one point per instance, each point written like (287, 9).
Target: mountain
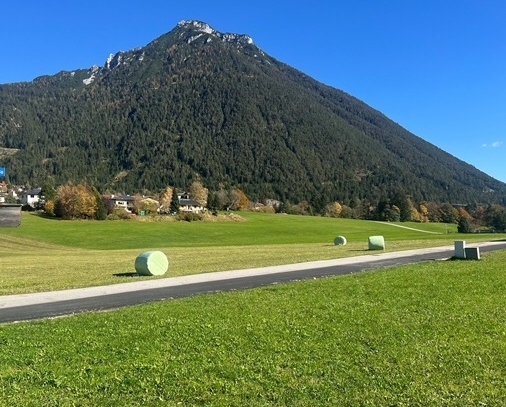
(199, 104)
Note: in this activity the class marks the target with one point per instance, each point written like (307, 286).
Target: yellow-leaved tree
(75, 201)
(199, 192)
(164, 199)
(241, 201)
(333, 209)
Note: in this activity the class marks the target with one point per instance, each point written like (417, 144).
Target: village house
(32, 197)
(125, 202)
(187, 204)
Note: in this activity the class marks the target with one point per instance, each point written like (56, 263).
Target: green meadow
(428, 334)
(47, 254)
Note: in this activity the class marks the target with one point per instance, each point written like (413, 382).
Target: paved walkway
(54, 303)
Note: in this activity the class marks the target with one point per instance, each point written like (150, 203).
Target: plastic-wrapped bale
(340, 241)
(376, 243)
(153, 263)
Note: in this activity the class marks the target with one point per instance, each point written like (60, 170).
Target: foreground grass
(430, 334)
(44, 254)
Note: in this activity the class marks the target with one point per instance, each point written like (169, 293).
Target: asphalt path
(24, 307)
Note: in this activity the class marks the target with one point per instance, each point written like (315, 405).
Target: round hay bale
(340, 241)
(376, 243)
(153, 263)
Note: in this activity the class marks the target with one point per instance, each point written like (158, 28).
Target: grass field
(256, 229)
(429, 334)
(47, 254)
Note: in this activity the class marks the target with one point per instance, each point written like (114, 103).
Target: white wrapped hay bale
(340, 241)
(376, 243)
(154, 263)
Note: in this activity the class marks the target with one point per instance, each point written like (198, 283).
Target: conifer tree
(101, 212)
(174, 203)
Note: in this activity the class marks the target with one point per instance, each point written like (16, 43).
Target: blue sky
(438, 68)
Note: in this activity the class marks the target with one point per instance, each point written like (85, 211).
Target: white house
(31, 197)
(125, 202)
(187, 204)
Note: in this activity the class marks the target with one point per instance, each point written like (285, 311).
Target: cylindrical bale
(376, 243)
(340, 241)
(154, 263)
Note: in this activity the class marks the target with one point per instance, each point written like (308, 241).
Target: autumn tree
(333, 209)
(423, 212)
(434, 213)
(148, 205)
(415, 215)
(241, 201)
(75, 201)
(480, 215)
(49, 207)
(199, 192)
(165, 199)
(144, 205)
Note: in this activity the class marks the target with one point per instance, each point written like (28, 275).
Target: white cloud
(495, 144)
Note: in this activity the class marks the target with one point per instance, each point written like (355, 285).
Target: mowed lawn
(47, 254)
(428, 334)
(254, 229)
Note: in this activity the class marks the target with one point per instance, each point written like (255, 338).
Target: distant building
(32, 197)
(187, 204)
(125, 202)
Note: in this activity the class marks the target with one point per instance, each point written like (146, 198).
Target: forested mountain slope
(199, 104)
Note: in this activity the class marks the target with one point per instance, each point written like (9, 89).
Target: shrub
(49, 207)
(119, 214)
(464, 225)
(189, 216)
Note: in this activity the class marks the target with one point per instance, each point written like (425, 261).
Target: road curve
(24, 307)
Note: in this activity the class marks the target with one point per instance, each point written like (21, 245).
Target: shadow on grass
(44, 215)
(126, 274)
(461, 259)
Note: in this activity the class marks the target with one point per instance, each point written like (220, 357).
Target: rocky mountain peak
(204, 28)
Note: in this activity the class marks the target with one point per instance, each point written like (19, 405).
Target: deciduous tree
(165, 199)
(333, 209)
(199, 192)
(241, 201)
(76, 201)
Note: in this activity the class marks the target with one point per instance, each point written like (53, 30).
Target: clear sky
(436, 67)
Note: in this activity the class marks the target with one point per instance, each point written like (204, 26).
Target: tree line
(400, 207)
(83, 201)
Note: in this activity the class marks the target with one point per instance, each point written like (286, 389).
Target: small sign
(2, 171)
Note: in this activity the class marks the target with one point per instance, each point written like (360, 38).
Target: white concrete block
(460, 249)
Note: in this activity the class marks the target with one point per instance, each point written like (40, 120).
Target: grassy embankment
(46, 254)
(430, 334)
